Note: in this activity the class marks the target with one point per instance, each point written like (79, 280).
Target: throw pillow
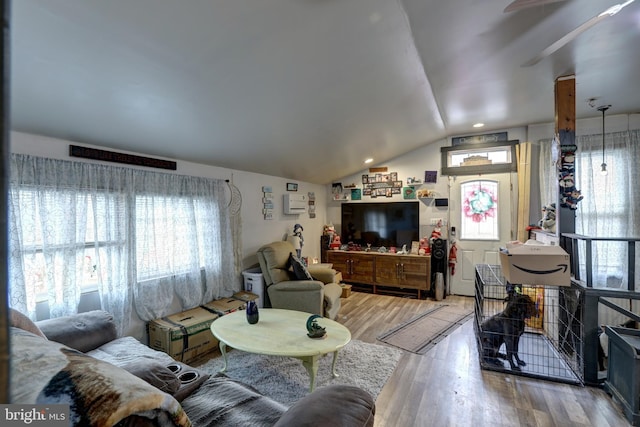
(82, 331)
(19, 320)
(299, 269)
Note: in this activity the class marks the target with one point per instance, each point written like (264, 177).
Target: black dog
(506, 328)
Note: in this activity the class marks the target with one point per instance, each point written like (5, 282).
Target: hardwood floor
(446, 387)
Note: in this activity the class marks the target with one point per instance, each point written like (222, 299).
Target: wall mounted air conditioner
(295, 204)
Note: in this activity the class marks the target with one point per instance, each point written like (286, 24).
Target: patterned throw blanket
(98, 393)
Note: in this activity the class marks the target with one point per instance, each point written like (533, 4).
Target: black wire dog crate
(551, 340)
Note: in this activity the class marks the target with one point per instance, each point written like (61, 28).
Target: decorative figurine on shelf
(436, 233)
(425, 248)
(335, 243)
(571, 199)
(353, 246)
(314, 330)
(329, 230)
(297, 239)
(548, 221)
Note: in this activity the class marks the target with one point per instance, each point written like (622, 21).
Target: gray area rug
(424, 331)
(285, 380)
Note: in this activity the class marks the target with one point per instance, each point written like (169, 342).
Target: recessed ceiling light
(368, 160)
(478, 125)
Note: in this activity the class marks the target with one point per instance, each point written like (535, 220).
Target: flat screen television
(380, 224)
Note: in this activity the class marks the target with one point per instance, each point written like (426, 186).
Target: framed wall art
(431, 177)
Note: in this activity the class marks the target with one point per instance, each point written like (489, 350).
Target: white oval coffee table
(281, 333)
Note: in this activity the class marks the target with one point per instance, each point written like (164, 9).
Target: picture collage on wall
(267, 202)
(381, 185)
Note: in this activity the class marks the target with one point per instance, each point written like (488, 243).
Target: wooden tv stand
(383, 269)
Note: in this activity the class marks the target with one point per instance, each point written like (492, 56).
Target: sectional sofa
(108, 380)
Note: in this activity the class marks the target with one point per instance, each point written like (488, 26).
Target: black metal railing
(596, 294)
(572, 242)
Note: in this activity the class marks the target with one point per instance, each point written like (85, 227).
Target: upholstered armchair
(317, 294)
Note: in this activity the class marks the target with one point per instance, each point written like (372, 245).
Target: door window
(479, 210)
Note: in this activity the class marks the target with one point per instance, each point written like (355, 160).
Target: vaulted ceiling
(307, 89)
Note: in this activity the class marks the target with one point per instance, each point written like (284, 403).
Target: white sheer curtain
(611, 210)
(186, 233)
(139, 237)
(548, 174)
(610, 204)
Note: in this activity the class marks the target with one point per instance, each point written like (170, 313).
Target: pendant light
(603, 166)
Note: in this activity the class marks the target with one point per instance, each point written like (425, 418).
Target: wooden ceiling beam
(565, 97)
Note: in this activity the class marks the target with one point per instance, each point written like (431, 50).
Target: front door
(480, 212)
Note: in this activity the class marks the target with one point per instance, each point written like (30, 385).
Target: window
(162, 225)
(135, 236)
(472, 159)
(77, 253)
(606, 207)
(489, 156)
(609, 204)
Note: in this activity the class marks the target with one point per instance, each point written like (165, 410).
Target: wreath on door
(480, 204)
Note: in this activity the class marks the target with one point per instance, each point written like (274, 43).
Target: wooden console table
(383, 269)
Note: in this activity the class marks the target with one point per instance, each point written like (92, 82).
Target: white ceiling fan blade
(575, 33)
(523, 4)
(563, 41)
